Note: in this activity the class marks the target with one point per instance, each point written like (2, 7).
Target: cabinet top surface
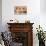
(19, 23)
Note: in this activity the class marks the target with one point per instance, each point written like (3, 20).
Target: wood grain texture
(23, 27)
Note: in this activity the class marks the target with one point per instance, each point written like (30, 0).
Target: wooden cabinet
(22, 33)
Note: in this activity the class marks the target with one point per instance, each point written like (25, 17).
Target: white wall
(43, 14)
(0, 15)
(35, 16)
(43, 6)
(8, 10)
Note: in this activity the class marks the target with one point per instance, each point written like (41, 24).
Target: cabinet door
(20, 37)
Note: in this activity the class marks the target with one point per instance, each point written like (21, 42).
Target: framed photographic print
(20, 10)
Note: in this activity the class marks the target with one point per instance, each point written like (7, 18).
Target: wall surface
(34, 14)
(43, 14)
(0, 15)
(8, 11)
(43, 6)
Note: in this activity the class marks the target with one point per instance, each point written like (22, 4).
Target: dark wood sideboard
(22, 33)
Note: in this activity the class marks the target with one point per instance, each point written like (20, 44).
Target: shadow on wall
(43, 6)
(0, 15)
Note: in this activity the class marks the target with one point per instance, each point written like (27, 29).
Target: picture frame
(20, 10)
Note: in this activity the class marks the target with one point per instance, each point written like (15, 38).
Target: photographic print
(20, 10)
